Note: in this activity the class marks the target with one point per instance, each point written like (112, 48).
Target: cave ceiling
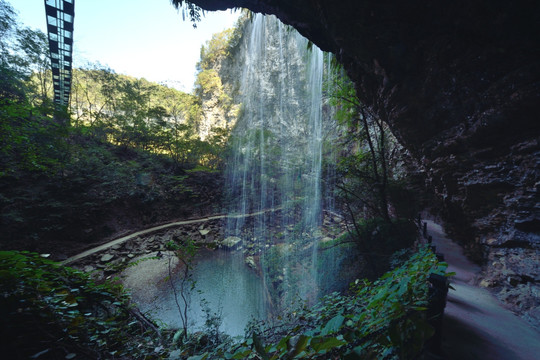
(459, 84)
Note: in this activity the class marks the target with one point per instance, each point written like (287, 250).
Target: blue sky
(141, 38)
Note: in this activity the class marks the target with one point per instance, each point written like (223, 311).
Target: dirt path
(476, 325)
(155, 229)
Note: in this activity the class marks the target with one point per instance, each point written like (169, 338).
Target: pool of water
(223, 284)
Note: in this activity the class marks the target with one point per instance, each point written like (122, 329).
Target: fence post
(438, 291)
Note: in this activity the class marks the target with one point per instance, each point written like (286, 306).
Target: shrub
(50, 311)
(385, 319)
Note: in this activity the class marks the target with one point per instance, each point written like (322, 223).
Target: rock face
(459, 84)
(217, 83)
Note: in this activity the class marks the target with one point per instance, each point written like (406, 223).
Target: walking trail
(156, 229)
(476, 325)
(123, 239)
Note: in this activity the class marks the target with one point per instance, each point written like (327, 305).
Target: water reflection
(222, 281)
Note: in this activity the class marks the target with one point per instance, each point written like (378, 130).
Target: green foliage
(64, 195)
(33, 47)
(387, 237)
(371, 179)
(385, 319)
(208, 81)
(189, 10)
(216, 49)
(212, 323)
(23, 53)
(58, 311)
(185, 250)
(30, 139)
(56, 177)
(135, 113)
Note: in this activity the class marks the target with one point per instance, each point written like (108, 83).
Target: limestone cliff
(217, 82)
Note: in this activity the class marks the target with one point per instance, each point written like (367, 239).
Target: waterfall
(279, 171)
(276, 160)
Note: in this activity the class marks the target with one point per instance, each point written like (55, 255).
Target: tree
(135, 113)
(92, 99)
(12, 75)
(185, 251)
(29, 139)
(215, 50)
(369, 175)
(370, 151)
(34, 48)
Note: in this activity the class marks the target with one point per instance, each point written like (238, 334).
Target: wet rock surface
(209, 234)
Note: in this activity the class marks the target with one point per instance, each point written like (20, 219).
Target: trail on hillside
(476, 325)
(153, 229)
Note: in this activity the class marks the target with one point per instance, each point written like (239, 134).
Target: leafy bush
(50, 311)
(385, 319)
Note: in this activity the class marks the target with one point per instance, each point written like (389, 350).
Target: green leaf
(300, 345)
(198, 357)
(177, 336)
(333, 325)
(327, 344)
(259, 346)
(356, 353)
(241, 353)
(283, 343)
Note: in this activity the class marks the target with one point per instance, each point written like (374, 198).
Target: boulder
(107, 257)
(231, 243)
(250, 261)
(485, 283)
(89, 269)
